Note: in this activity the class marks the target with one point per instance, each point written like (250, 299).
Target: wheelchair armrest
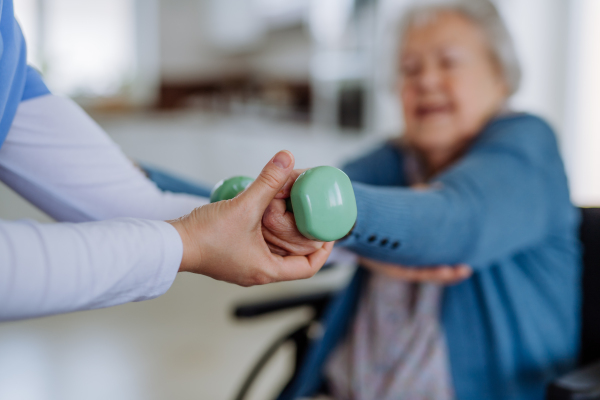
(315, 300)
(581, 384)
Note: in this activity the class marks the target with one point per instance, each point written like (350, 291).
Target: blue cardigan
(504, 208)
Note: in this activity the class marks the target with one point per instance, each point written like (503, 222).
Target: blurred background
(213, 88)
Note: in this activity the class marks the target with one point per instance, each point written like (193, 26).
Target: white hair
(486, 17)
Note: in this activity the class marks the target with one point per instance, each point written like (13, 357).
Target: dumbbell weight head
(324, 203)
(322, 200)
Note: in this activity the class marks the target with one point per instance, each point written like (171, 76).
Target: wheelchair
(581, 384)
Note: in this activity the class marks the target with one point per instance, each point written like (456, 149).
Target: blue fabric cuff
(169, 182)
(372, 235)
(34, 85)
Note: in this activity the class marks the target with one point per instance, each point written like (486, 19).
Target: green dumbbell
(322, 200)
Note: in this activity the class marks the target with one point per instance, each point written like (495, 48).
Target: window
(83, 47)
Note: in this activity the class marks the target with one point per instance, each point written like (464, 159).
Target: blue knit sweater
(503, 208)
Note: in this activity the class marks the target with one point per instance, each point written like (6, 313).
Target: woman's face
(450, 85)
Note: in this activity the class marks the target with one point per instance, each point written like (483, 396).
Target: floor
(185, 344)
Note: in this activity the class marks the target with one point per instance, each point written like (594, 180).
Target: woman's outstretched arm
(501, 197)
(381, 167)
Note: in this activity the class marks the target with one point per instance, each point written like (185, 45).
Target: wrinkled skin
(279, 227)
(449, 86)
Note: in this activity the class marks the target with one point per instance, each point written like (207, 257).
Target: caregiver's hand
(440, 274)
(224, 240)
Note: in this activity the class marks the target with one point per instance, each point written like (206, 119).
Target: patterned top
(395, 349)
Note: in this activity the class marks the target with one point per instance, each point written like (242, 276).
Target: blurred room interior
(213, 88)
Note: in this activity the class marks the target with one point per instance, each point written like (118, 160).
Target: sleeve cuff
(171, 260)
(381, 226)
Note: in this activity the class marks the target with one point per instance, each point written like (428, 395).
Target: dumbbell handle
(229, 188)
(288, 205)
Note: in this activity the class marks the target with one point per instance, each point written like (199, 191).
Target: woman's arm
(498, 199)
(58, 158)
(381, 167)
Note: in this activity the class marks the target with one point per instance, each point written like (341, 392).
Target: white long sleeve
(59, 159)
(55, 268)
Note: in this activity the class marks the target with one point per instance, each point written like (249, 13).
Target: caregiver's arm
(56, 268)
(493, 202)
(53, 268)
(58, 158)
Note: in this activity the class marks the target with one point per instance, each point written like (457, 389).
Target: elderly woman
(481, 193)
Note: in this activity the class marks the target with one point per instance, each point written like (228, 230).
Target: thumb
(270, 181)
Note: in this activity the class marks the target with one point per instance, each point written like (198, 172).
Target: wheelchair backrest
(590, 238)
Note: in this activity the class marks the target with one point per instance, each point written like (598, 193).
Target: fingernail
(282, 159)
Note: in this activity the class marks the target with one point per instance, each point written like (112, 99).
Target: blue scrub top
(18, 81)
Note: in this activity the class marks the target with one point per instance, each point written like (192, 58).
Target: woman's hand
(440, 274)
(279, 226)
(286, 189)
(225, 240)
(281, 234)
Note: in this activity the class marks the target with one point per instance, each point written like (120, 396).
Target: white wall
(582, 133)
(557, 41)
(540, 31)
